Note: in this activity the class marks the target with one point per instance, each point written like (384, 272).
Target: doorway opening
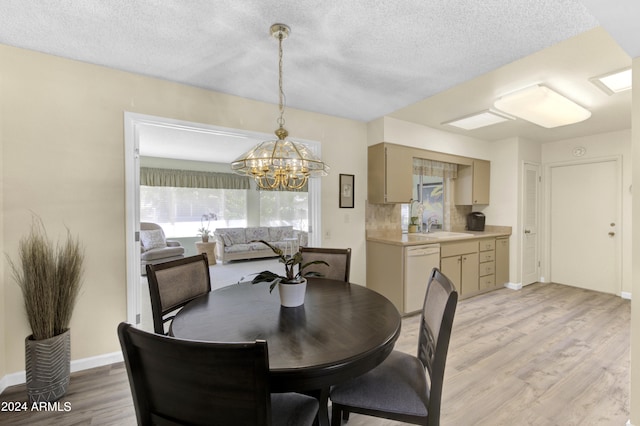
(160, 137)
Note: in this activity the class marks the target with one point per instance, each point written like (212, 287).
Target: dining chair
(339, 261)
(180, 382)
(175, 283)
(399, 388)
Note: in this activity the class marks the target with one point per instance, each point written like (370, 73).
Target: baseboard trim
(513, 286)
(625, 295)
(20, 377)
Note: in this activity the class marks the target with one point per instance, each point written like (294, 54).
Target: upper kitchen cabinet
(390, 169)
(472, 184)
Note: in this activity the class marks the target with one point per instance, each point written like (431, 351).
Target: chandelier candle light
(282, 163)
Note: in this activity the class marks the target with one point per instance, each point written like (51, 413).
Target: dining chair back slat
(175, 283)
(339, 261)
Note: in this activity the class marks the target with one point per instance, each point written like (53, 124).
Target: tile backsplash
(382, 217)
(388, 218)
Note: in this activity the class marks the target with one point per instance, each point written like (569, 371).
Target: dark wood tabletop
(342, 331)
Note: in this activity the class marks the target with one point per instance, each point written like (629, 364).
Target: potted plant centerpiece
(292, 286)
(50, 278)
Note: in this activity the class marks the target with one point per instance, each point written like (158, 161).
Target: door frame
(523, 225)
(132, 123)
(546, 257)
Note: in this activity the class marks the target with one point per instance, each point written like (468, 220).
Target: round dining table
(340, 332)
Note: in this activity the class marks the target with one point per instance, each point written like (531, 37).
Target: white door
(530, 236)
(583, 220)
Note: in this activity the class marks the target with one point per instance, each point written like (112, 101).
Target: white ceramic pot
(292, 294)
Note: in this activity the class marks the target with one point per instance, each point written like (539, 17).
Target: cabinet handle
(526, 231)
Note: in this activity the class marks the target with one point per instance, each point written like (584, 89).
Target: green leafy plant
(50, 278)
(290, 276)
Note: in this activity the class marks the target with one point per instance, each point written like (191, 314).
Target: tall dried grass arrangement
(50, 278)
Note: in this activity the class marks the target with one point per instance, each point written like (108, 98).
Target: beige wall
(63, 158)
(634, 402)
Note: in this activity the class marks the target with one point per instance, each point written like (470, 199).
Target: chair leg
(345, 415)
(335, 415)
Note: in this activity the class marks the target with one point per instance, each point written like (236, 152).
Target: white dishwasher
(418, 263)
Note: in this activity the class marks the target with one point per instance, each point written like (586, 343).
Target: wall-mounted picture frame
(346, 191)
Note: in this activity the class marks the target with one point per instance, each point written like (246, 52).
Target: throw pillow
(152, 239)
(226, 239)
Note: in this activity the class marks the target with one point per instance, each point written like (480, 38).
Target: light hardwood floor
(545, 355)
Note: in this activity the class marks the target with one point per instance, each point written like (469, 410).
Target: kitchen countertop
(400, 239)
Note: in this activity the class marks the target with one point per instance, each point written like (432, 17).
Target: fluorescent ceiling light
(479, 119)
(614, 82)
(542, 106)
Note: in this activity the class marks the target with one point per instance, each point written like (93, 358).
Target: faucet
(431, 221)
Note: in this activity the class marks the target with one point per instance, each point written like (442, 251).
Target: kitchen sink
(443, 235)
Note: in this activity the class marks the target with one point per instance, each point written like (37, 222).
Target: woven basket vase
(48, 367)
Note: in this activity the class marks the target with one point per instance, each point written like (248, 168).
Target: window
(279, 208)
(179, 210)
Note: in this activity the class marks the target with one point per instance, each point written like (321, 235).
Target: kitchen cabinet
(390, 174)
(472, 183)
(459, 262)
(385, 271)
(487, 264)
(401, 274)
(502, 261)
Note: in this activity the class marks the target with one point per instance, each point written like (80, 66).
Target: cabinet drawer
(488, 281)
(486, 245)
(487, 256)
(455, 249)
(487, 268)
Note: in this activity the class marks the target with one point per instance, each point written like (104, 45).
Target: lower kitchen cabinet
(401, 274)
(487, 264)
(459, 262)
(502, 261)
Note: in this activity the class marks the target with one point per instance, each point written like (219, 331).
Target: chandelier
(281, 163)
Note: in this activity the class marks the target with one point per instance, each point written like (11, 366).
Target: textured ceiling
(426, 62)
(355, 59)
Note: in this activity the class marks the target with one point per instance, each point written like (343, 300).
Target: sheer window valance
(191, 179)
(424, 167)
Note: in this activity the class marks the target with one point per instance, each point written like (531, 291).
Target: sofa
(235, 243)
(155, 248)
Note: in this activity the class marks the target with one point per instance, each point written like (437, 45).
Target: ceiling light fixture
(282, 163)
(478, 120)
(614, 82)
(542, 106)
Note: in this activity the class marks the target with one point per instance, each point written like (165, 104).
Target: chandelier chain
(280, 89)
